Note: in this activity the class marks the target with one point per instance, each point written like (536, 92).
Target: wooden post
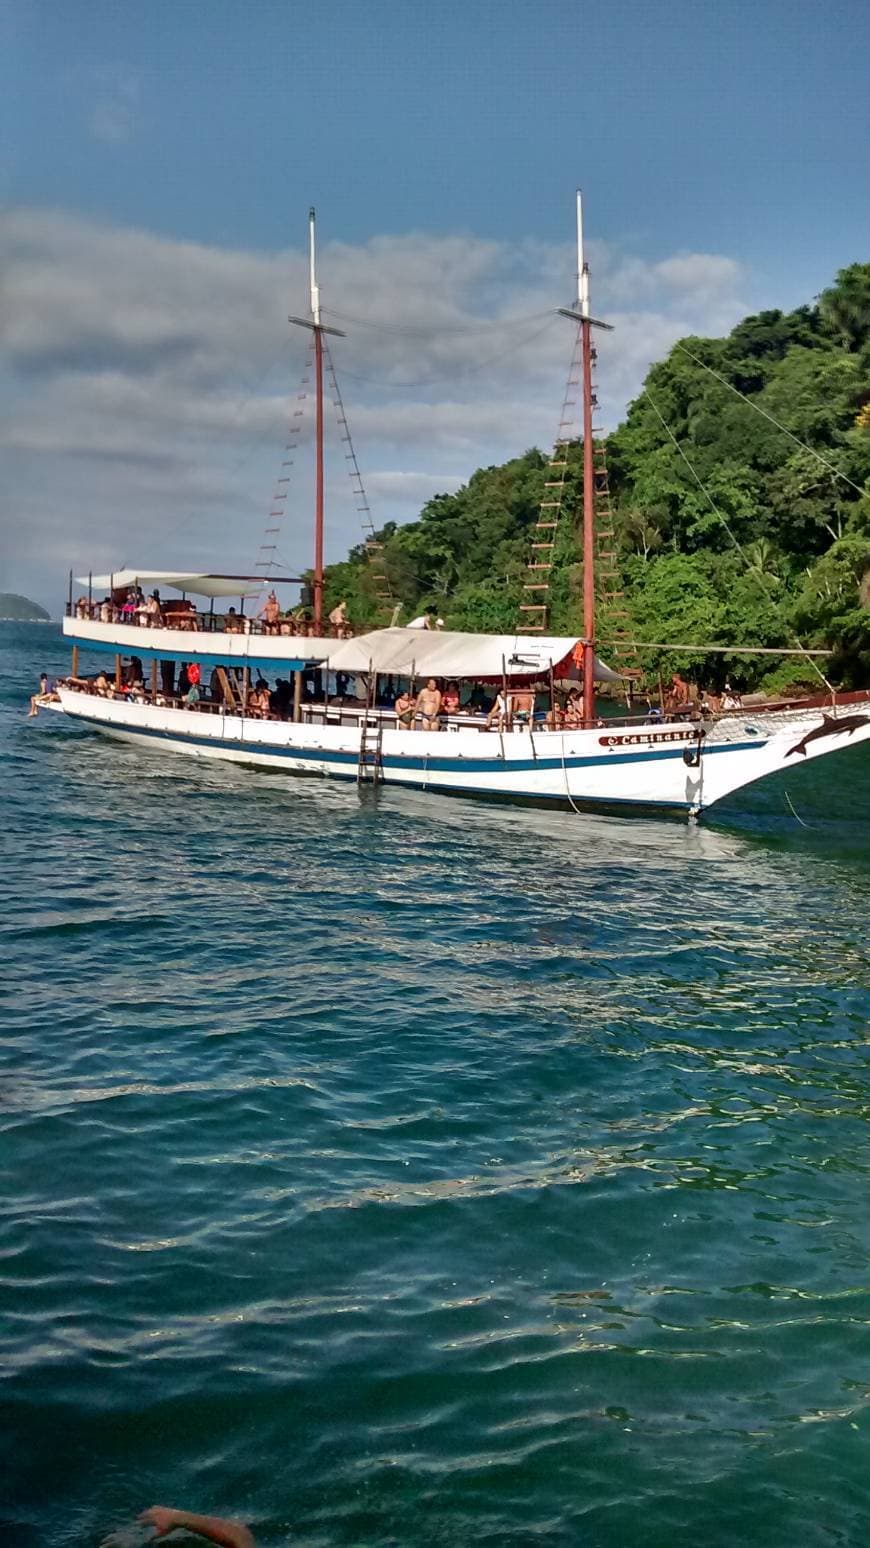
(246, 688)
(297, 696)
(153, 679)
(75, 661)
(118, 674)
(553, 726)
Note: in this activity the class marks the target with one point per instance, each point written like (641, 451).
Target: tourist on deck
(450, 699)
(428, 706)
(556, 716)
(270, 613)
(101, 685)
(423, 621)
(731, 699)
(404, 708)
(46, 693)
(281, 701)
(679, 696)
(522, 706)
(573, 710)
(500, 712)
(339, 621)
(150, 612)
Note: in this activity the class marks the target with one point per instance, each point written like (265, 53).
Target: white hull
(636, 766)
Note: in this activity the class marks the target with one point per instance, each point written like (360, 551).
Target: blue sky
(731, 134)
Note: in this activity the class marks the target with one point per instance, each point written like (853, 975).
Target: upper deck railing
(188, 619)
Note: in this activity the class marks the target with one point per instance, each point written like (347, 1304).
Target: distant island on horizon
(16, 609)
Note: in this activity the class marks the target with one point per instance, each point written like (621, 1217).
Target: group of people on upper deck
(130, 605)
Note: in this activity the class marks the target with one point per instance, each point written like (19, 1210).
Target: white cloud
(151, 381)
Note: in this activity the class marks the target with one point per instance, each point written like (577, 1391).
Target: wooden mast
(318, 329)
(588, 478)
(580, 314)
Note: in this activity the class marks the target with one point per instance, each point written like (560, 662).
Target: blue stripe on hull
(210, 658)
(422, 765)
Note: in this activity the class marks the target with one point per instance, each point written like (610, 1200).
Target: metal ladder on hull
(370, 768)
(370, 765)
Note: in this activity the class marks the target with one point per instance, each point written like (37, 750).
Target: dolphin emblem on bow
(831, 726)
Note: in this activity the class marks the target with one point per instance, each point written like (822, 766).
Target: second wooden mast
(318, 328)
(581, 315)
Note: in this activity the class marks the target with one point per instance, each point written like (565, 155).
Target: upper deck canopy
(451, 654)
(183, 580)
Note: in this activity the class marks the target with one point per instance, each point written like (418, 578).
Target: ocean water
(387, 1170)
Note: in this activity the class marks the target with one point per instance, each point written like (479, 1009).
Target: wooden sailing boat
(647, 761)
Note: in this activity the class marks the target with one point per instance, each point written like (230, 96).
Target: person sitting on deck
(193, 671)
(556, 716)
(731, 699)
(450, 699)
(428, 706)
(678, 698)
(522, 706)
(404, 708)
(47, 692)
(150, 614)
(500, 712)
(287, 624)
(270, 613)
(573, 710)
(101, 684)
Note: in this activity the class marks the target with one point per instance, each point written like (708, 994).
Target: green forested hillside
(14, 608)
(786, 550)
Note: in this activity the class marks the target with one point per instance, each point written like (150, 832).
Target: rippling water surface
(398, 1171)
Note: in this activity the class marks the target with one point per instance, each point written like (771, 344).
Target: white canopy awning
(449, 654)
(184, 580)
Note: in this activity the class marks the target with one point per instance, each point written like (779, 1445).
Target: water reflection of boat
(331, 713)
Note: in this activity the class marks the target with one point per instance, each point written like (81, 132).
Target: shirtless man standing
(270, 613)
(428, 706)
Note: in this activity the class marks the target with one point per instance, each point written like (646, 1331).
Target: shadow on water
(823, 806)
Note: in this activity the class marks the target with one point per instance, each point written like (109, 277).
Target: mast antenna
(312, 269)
(582, 265)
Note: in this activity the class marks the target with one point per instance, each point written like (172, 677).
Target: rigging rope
(439, 381)
(491, 325)
(751, 568)
(765, 415)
